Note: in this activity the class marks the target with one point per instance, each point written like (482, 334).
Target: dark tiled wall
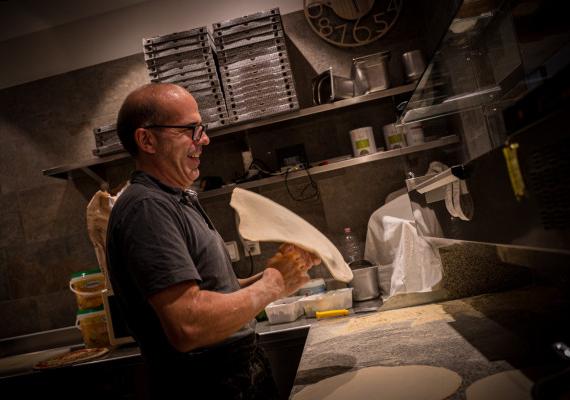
(46, 123)
(43, 234)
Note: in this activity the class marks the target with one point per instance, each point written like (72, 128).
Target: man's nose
(204, 139)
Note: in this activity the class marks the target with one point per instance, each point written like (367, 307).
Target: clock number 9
(312, 7)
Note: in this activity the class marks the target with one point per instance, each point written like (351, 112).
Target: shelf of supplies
(444, 141)
(64, 171)
(315, 110)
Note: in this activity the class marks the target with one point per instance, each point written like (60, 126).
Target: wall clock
(351, 23)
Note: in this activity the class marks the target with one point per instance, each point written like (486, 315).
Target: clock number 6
(361, 29)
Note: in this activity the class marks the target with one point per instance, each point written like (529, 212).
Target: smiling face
(170, 154)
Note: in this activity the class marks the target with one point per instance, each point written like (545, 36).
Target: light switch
(233, 250)
(251, 248)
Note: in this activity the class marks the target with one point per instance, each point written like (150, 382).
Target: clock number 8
(325, 27)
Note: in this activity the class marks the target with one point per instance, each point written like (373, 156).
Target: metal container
(365, 283)
(370, 73)
(414, 65)
(328, 88)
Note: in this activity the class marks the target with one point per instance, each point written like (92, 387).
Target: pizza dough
(507, 385)
(263, 220)
(386, 383)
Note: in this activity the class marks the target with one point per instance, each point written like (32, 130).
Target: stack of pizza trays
(106, 140)
(254, 66)
(188, 59)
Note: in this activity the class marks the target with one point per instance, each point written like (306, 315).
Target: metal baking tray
(176, 50)
(240, 75)
(209, 101)
(174, 67)
(246, 34)
(280, 83)
(261, 106)
(246, 96)
(205, 92)
(258, 62)
(246, 19)
(249, 52)
(105, 128)
(277, 36)
(275, 19)
(110, 149)
(197, 67)
(262, 76)
(175, 36)
(196, 87)
(189, 41)
(194, 77)
(195, 56)
(213, 110)
(280, 97)
(264, 113)
(218, 124)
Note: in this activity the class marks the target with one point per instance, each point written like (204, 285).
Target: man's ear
(145, 140)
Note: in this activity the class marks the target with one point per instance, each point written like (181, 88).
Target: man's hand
(293, 263)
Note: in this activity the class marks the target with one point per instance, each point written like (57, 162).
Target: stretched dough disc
(507, 385)
(263, 220)
(386, 383)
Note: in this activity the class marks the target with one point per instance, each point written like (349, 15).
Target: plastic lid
(90, 310)
(81, 274)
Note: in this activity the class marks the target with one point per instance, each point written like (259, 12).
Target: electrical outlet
(233, 250)
(251, 248)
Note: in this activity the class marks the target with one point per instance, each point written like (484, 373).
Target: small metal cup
(414, 65)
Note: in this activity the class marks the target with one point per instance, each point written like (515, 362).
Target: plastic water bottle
(350, 247)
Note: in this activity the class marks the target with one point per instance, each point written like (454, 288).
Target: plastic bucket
(88, 287)
(93, 325)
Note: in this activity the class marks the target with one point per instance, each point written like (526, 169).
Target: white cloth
(392, 241)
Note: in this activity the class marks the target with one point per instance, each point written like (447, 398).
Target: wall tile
(52, 211)
(21, 317)
(11, 231)
(4, 286)
(56, 310)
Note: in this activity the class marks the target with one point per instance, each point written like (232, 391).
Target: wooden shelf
(444, 141)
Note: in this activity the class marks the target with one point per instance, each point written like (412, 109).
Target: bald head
(146, 105)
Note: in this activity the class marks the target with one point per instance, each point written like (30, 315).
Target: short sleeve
(154, 246)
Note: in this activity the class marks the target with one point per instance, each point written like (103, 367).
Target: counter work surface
(475, 337)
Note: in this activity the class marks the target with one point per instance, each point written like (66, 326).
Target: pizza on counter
(72, 357)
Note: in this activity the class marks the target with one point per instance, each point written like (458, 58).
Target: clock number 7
(343, 27)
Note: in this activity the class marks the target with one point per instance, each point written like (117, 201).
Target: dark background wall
(43, 236)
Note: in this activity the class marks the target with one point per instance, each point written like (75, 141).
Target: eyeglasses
(193, 130)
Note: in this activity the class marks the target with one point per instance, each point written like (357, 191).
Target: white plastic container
(284, 310)
(333, 300)
(362, 141)
(394, 137)
(314, 286)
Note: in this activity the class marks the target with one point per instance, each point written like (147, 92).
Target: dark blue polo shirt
(159, 236)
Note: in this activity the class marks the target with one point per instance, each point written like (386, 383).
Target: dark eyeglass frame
(196, 133)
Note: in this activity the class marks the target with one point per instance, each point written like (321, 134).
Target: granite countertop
(475, 337)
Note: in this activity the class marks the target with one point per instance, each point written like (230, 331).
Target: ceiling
(21, 17)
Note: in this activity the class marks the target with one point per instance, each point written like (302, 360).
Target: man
(192, 318)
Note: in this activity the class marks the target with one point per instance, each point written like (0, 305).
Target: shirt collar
(150, 181)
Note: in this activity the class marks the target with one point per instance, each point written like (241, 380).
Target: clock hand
(355, 2)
